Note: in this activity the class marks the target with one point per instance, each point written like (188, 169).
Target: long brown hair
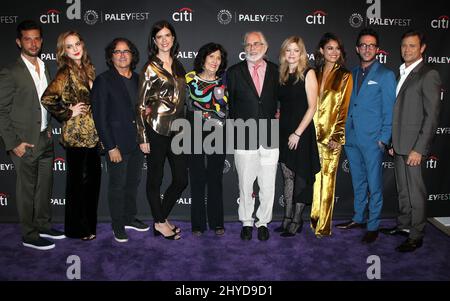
(86, 70)
(284, 66)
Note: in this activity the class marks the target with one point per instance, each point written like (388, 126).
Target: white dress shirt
(40, 81)
(404, 72)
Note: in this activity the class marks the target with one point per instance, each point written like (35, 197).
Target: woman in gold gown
(335, 87)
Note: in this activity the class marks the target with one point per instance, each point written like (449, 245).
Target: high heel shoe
(175, 236)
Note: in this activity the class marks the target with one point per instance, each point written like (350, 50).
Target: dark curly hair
(152, 48)
(206, 50)
(112, 46)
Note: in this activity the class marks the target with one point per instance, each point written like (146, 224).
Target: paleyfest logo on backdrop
(8, 19)
(48, 56)
(59, 164)
(225, 17)
(58, 202)
(373, 17)
(442, 93)
(438, 59)
(382, 56)
(443, 131)
(440, 23)
(6, 167)
(50, 17)
(3, 199)
(183, 15)
(91, 17)
(317, 17)
(187, 54)
(439, 197)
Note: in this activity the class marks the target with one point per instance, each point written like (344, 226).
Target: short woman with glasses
(335, 86)
(67, 98)
(161, 101)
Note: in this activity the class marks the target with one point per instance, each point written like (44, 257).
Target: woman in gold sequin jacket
(161, 101)
(67, 98)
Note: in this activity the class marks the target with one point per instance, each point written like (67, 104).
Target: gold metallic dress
(329, 120)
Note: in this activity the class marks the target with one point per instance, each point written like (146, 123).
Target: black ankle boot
(287, 219)
(296, 225)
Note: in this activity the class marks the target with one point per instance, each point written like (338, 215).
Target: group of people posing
(129, 117)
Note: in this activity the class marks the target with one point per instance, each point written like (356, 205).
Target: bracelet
(296, 134)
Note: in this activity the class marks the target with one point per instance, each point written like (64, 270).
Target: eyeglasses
(254, 44)
(120, 52)
(367, 46)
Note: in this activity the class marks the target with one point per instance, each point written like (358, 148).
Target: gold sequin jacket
(161, 98)
(65, 90)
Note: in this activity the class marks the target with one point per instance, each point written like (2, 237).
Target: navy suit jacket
(370, 112)
(115, 111)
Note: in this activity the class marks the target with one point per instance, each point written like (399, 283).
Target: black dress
(304, 160)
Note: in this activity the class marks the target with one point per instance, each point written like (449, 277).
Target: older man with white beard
(252, 87)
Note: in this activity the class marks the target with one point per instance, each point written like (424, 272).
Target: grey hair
(261, 35)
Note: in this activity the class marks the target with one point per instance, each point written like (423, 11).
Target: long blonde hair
(86, 70)
(284, 66)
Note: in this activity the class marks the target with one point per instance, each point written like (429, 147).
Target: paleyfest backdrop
(201, 21)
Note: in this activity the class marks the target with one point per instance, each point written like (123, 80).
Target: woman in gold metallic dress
(67, 98)
(335, 87)
(161, 101)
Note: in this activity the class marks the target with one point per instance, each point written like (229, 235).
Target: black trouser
(82, 191)
(34, 184)
(123, 182)
(207, 176)
(159, 150)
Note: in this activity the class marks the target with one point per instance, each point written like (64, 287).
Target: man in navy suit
(114, 97)
(368, 131)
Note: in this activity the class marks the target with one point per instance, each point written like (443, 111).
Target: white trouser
(258, 164)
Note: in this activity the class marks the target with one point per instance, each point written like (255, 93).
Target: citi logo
(382, 56)
(317, 17)
(51, 17)
(3, 199)
(6, 166)
(58, 202)
(432, 162)
(48, 56)
(182, 15)
(440, 23)
(59, 164)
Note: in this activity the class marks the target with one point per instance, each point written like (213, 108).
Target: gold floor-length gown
(329, 120)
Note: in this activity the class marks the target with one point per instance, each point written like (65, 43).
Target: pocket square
(371, 82)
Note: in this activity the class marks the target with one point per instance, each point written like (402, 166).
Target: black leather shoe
(409, 245)
(394, 231)
(246, 233)
(370, 237)
(350, 225)
(263, 233)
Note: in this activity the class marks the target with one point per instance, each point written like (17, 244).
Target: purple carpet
(209, 257)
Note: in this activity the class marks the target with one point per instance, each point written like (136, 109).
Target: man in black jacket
(252, 86)
(114, 97)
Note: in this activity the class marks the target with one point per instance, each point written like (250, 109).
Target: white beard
(253, 58)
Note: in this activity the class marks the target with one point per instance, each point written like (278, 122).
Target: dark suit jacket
(244, 101)
(20, 110)
(114, 111)
(416, 111)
